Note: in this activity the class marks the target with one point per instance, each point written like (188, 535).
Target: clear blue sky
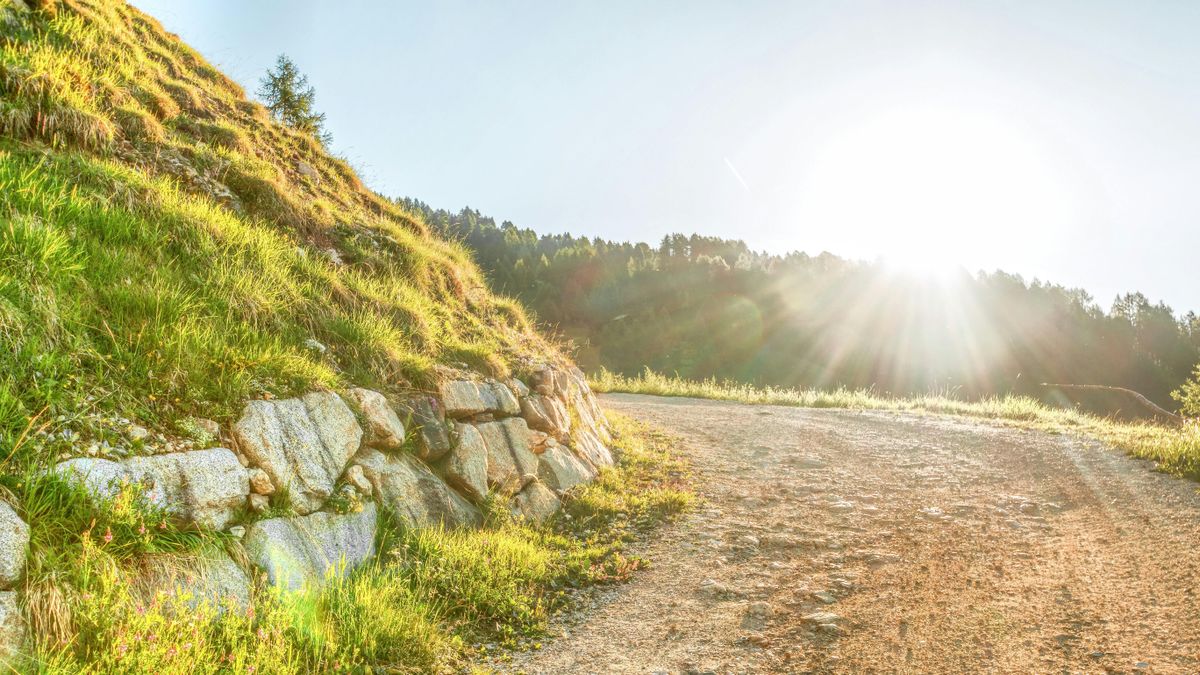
(1053, 139)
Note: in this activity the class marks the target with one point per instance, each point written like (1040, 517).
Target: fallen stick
(1145, 402)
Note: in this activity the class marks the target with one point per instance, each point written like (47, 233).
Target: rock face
(204, 486)
(301, 551)
(561, 471)
(536, 502)
(429, 418)
(384, 428)
(302, 443)
(12, 628)
(14, 543)
(211, 579)
(102, 478)
(465, 468)
(508, 454)
(413, 492)
(464, 398)
(590, 448)
(547, 414)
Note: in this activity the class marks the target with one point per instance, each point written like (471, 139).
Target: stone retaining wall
(338, 457)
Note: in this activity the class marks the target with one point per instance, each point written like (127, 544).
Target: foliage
(709, 307)
(290, 99)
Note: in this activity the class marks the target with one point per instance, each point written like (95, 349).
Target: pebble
(760, 609)
(821, 618)
(841, 506)
(825, 597)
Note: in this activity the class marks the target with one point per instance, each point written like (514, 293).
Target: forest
(704, 307)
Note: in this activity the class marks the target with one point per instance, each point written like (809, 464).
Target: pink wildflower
(108, 535)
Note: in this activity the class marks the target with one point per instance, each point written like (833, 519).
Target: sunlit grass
(1175, 449)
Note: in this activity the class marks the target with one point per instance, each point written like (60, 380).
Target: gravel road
(856, 542)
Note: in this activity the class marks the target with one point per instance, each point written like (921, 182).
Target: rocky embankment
(331, 460)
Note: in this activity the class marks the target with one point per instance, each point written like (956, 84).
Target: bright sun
(931, 189)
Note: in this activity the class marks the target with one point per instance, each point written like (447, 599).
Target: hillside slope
(169, 251)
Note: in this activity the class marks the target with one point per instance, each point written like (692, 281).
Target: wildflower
(262, 634)
(142, 528)
(108, 535)
(162, 525)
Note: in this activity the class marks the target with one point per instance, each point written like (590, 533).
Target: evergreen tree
(290, 99)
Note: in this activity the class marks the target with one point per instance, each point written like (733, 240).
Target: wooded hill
(710, 307)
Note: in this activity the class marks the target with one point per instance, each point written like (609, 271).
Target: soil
(867, 542)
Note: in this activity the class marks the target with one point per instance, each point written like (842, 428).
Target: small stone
(841, 506)
(260, 482)
(821, 618)
(748, 540)
(238, 531)
(209, 427)
(138, 433)
(356, 479)
(760, 609)
(384, 430)
(825, 597)
(259, 503)
(829, 628)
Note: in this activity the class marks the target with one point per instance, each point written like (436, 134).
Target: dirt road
(836, 541)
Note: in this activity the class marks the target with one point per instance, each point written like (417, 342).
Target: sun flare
(930, 189)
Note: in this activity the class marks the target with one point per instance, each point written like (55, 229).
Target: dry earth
(848, 542)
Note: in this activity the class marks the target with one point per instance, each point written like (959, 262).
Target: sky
(1057, 140)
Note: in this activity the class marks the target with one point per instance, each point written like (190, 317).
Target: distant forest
(705, 306)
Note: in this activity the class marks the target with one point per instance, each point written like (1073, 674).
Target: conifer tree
(287, 94)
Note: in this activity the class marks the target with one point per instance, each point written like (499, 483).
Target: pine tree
(288, 96)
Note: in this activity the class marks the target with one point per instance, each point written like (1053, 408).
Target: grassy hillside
(169, 251)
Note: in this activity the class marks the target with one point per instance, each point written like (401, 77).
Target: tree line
(712, 307)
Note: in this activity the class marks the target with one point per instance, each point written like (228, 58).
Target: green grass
(161, 258)
(1175, 449)
(431, 601)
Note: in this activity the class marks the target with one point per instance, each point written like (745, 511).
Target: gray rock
(211, 578)
(203, 486)
(12, 628)
(506, 401)
(588, 446)
(305, 169)
(303, 550)
(518, 387)
(358, 480)
(465, 467)
(384, 429)
(561, 471)
(14, 543)
(259, 503)
(545, 413)
(303, 444)
(413, 492)
(465, 398)
(429, 419)
(508, 452)
(102, 478)
(536, 502)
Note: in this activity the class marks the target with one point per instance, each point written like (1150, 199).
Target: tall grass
(1176, 450)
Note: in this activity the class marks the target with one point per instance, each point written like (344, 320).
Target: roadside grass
(433, 600)
(1176, 450)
